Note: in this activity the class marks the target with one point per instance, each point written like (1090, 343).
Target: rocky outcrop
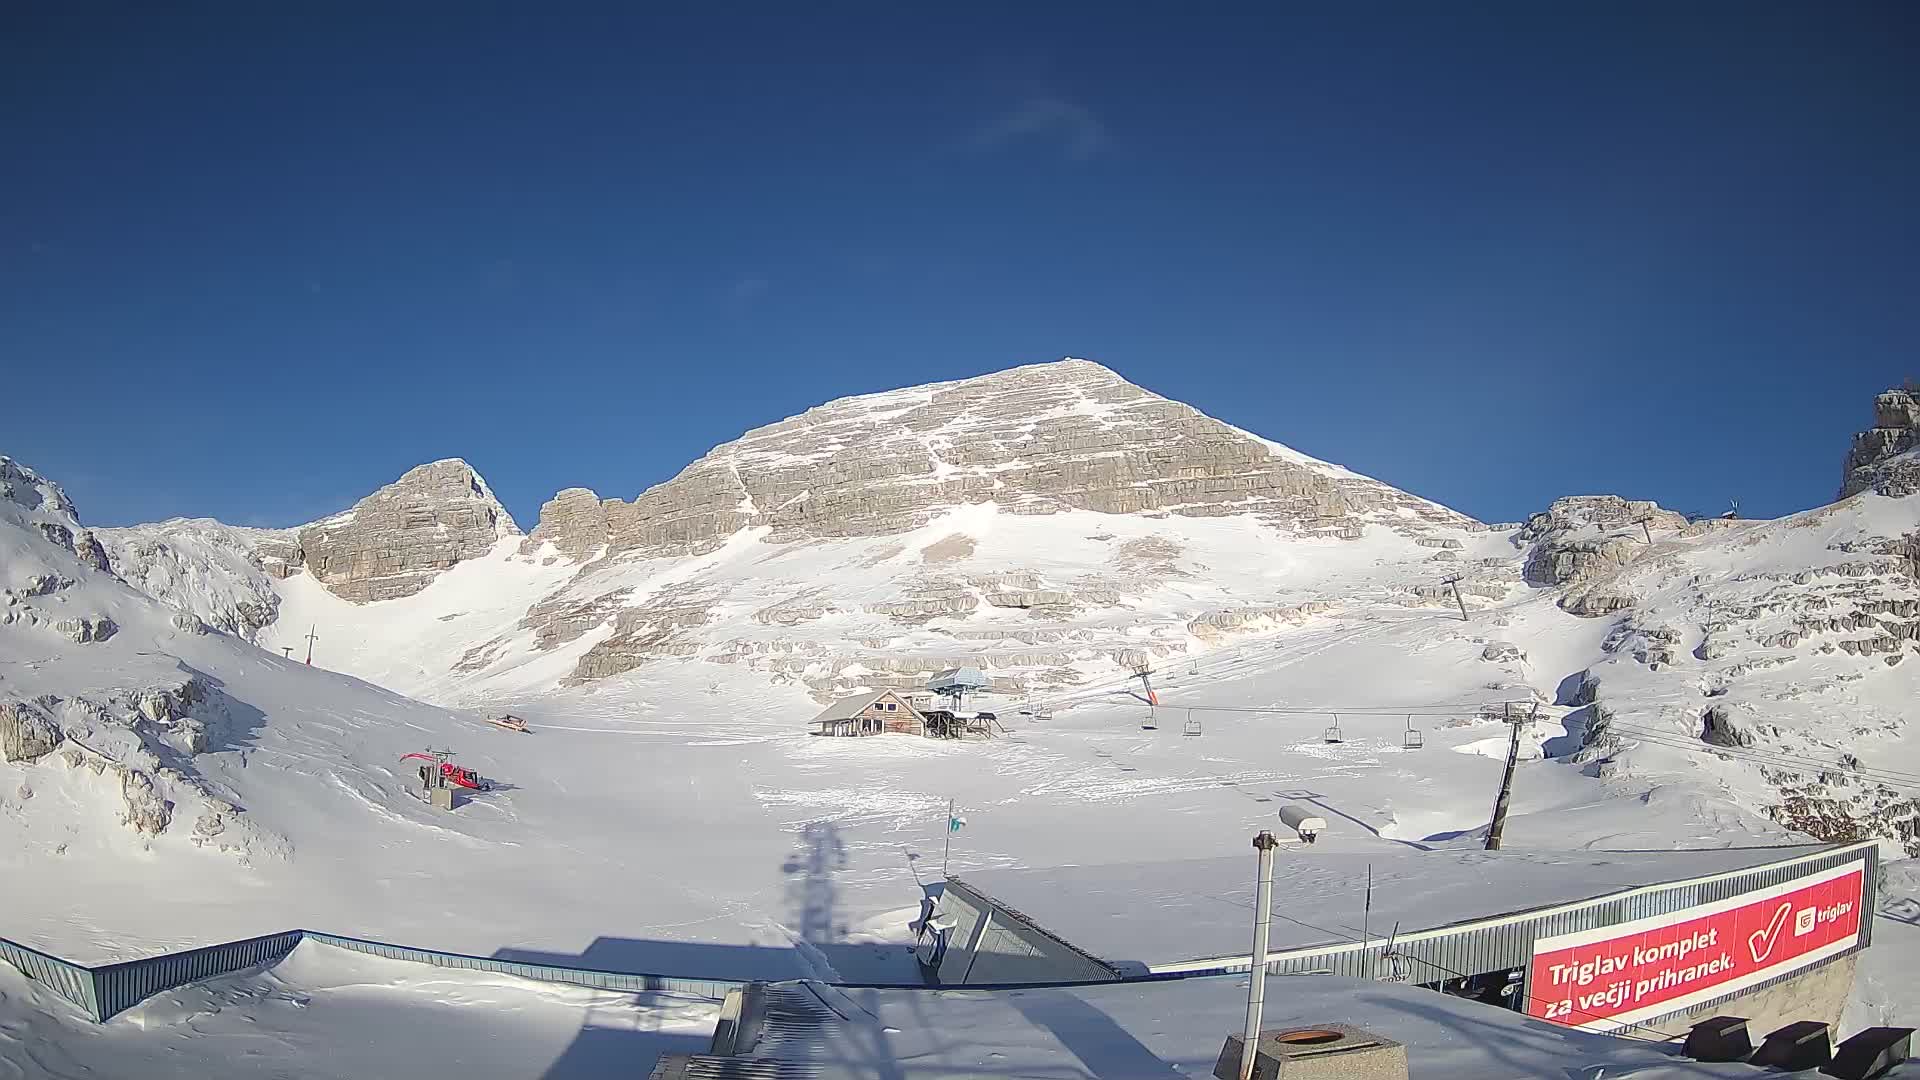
(1584, 537)
(562, 618)
(1034, 440)
(85, 629)
(1582, 542)
(220, 573)
(1607, 512)
(147, 811)
(573, 521)
(1215, 626)
(395, 541)
(26, 734)
(1717, 728)
(33, 493)
(1886, 457)
(652, 631)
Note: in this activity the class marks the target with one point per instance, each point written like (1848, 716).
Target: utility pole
(311, 638)
(954, 822)
(1455, 582)
(1146, 684)
(1264, 843)
(1646, 528)
(1506, 780)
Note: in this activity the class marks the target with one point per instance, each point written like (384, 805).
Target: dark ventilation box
(1719, 1038)
(1870, 1053)
(1805, 1044)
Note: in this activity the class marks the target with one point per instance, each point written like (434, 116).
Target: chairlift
(1148, 724)
(1413, 739)
(1193, 725)
(1334, 734)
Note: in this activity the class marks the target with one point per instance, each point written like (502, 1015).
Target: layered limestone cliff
(397, 540)
(1041, 439)
(1886, 457)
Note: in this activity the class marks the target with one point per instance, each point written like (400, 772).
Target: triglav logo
(1803, 921)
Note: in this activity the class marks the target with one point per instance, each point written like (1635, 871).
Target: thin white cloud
(1072, 127)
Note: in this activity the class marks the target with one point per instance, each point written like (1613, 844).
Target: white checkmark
(1760, 943)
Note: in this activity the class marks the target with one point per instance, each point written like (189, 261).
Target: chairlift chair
(1193, 725)
(1413, 739)
(1334, 734)
(1148, 724)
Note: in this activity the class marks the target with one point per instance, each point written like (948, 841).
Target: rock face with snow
(44, 553)
(220, 573)
(397, 540)
(1582, 542)
(1034, 440)
(25, 734)
(1886, 457)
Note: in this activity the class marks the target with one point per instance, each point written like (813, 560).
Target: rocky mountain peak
(397, 540)
(1039, 439)
(1886, 457)
(39, 505)
(32, 493)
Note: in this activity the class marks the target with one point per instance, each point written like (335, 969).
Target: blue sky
(254, 264)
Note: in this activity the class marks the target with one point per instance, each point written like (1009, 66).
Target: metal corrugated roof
(1150, 915)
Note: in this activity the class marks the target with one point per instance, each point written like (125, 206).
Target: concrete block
(1323, 1052)
(443, 798)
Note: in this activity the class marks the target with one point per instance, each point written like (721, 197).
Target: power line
(1784, 761)
(1772, 757)
(1665, 737)
(1431, 709)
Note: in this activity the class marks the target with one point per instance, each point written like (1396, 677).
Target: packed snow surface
(328, 1014)
(1147, 915)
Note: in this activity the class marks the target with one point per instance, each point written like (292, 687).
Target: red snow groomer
(449, 773)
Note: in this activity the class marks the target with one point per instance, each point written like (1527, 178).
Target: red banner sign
(1612, 976)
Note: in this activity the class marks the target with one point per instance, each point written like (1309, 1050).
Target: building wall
(901, 720)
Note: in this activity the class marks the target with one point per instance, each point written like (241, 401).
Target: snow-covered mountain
(1047, 523)
(1698, 682)
(1058, 527)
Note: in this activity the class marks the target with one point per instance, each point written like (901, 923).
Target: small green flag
(954, 823)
